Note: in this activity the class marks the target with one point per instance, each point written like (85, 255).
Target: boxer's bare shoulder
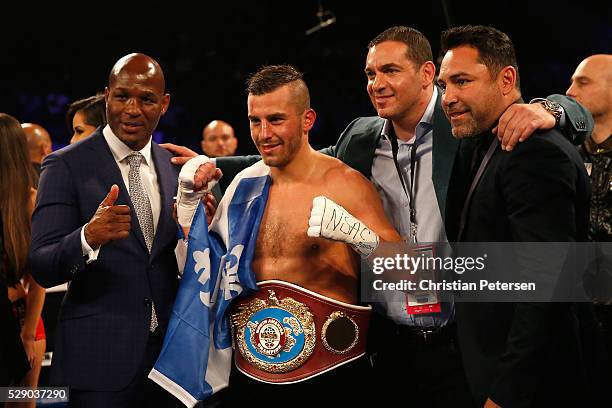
(353, 191)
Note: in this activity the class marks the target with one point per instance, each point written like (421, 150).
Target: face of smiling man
(395, 83)
(472, 98)
(135, 99)
(278, 125)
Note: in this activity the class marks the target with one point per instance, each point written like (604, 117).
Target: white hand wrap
(332, 221)
(187, 200)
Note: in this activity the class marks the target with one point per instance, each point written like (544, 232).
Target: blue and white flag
(196, 357)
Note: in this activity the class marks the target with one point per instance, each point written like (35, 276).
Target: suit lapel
(167, 179)
(110, 174)
(444, 151)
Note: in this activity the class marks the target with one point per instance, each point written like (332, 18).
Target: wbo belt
(286, 334)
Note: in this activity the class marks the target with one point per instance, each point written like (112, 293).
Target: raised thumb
(111, 197)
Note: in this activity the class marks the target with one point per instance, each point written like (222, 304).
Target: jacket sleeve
(578, 120)
(55, 250)
(231, 166)
(330, 151)
(355, 127)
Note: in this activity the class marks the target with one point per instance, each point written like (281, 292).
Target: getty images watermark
(420, 262)
(490, 272)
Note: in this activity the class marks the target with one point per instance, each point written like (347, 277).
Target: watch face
(553, 107)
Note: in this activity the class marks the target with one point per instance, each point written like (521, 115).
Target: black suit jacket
(104, 319)
(526, 354)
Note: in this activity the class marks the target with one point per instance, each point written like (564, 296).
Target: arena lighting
(325, 17)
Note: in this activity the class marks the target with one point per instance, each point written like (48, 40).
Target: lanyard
(410, 190)
(479, 173)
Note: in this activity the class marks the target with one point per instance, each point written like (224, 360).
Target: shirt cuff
(90, 254)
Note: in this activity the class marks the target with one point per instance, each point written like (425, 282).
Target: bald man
(103, 222)
(218, 139)
(592, 87)
(39, 143)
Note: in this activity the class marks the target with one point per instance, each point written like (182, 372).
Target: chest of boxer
(285, 252)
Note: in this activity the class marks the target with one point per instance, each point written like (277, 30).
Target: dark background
(54, 54)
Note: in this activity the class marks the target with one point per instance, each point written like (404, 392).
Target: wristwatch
(551, 107)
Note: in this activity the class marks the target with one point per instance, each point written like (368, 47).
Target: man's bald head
(218, 139)
(600, 63)
(139, 65)
(39, 141)
(135, 99)
(592, 87)
(592, 84)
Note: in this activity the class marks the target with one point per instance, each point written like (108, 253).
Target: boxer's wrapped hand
(197, 177)
(332, 221)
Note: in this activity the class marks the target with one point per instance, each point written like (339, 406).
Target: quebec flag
(196, 357)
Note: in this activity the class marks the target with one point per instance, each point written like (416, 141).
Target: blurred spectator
(13, 359)
(17, 180)
(218, 139)
(85, 115)
(592, 87)
(39, 143)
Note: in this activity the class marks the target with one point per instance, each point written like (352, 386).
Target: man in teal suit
(409, 153)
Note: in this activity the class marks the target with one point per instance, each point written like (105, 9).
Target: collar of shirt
(120, 150)
(594, 148)
(424, 125)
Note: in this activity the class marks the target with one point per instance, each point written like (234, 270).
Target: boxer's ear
(310, 116)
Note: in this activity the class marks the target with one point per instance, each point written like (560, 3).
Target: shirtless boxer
(280, 117)
(310, 192)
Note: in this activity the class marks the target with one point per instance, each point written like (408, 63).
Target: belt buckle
(274, 335)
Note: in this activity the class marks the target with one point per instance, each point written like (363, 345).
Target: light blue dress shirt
(430, 226)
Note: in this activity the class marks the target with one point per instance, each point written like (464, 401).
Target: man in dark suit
(103, 222)
(515, 354)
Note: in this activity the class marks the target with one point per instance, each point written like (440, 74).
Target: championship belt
(286, 334)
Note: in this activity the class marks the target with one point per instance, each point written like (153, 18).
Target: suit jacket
(526, 354)
(104, 319)
(358, 142)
